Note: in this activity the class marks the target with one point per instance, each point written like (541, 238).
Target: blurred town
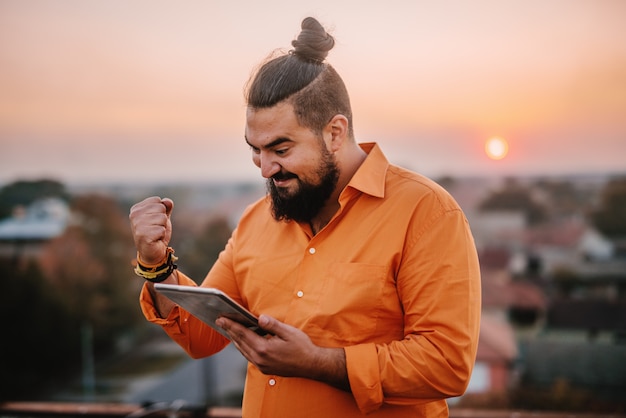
(553, 260)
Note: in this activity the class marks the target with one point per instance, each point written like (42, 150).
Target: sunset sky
(152, 90)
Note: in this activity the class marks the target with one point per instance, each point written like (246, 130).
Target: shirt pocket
(350, 302)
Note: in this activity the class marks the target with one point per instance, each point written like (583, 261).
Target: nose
(267, 164)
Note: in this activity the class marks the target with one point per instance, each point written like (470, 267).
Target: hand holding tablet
(208, 304)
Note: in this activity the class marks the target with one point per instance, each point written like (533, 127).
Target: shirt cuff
(364, 376)
(147, 303)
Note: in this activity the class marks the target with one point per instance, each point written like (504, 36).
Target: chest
(338, 286)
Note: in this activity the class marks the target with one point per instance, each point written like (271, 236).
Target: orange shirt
(393, 278)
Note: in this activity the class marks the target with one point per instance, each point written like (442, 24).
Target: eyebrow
(274, 143)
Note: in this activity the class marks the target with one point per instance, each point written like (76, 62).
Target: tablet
(208, 304)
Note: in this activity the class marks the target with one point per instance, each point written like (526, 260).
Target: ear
(338, 130)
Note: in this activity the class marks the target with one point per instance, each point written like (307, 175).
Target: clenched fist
(152, 228)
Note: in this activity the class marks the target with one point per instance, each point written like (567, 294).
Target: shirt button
(311, 250)
(300, 293)
(272, 382)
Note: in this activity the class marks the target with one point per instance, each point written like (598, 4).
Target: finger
(154, 212)
(169, 205)
(140, 207)
(238, 335)
(274, 326)
(150, 205)
(151, 227)
(233, 328)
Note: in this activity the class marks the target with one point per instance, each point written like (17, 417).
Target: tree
(89, 266)
(447, 182)
(199, 251)
(514, 197)
(40, 335)
(610, 217)
(83, 276)
(564, 196)
(26, 192)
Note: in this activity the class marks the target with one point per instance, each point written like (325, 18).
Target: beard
(306, 202)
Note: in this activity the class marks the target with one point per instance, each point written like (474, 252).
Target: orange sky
(121, 90)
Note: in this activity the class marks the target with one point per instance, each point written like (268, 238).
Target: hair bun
(313, 43)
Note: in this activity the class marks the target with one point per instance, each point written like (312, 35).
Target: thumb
(169, 205)
(272, 325)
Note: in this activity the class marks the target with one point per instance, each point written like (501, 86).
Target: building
(23, 234)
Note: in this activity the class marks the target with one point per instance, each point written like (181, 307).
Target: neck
(322, 218)
(349, 164)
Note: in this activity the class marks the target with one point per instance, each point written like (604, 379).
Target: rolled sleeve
(193, 335)
(147, 303)
(364, 376)
(149, 311)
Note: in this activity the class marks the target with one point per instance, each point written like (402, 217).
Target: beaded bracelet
(157, 273)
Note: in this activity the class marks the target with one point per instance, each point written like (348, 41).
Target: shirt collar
(370, 177)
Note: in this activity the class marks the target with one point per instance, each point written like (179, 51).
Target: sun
(496, 148)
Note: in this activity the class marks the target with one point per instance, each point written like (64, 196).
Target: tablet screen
(208, 304)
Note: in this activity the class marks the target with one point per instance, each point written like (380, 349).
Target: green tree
(447, 182)
(199, 251)
(40, 341)
(89, 265)
(83, 276)
(565, 197)
(25, 192)
(515, 197)
(610, 217)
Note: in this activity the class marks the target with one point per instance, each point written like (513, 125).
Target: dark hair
(314, 88)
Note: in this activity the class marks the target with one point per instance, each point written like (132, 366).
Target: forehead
(267, 124)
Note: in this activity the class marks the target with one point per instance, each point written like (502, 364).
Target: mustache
(283, 176)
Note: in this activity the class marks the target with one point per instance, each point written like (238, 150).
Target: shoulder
(407, 185)
(432, 210)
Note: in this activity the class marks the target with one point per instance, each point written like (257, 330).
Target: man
(365, 273)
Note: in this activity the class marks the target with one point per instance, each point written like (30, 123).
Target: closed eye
(273, 146)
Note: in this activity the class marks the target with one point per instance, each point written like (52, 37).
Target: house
(568, 244)
(511, 310)
(497, 353)
(24, 233)
(497, 228)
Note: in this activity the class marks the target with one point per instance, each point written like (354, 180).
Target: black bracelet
(162, 277)
(160, 273)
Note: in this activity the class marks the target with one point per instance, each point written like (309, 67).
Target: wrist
(151, 266)
(157, 273)
(330, 367)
